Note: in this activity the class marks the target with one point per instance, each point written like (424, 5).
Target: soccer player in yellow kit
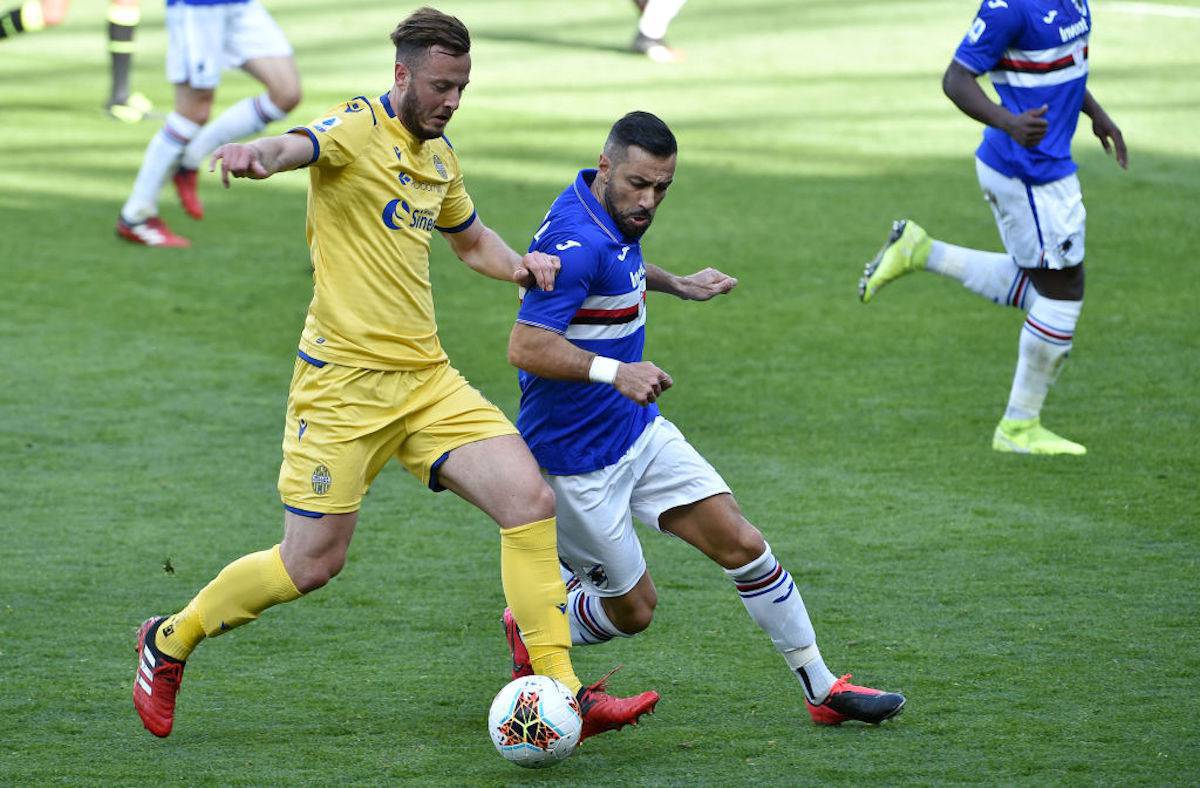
(371, 380)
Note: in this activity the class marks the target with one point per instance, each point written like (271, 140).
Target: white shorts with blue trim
(202, 40)
(596, 539)
(1042, 226)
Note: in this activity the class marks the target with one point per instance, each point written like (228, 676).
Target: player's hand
(705, 284)
(642, 382)
(1029, 127)
(241, 161)
(537, 269)
(1110, 137)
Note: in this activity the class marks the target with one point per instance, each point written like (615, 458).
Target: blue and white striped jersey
(1036, 52)
(598, 303)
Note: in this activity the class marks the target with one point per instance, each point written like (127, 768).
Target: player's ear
(401, 75)
(604, 165)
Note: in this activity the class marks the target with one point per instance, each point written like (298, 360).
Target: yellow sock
(535, 592)
(236, 596)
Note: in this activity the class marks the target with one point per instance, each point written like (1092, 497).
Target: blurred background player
(123, 18)
(588, 413)
(651, 38)
(1036, 53)
(204, 38)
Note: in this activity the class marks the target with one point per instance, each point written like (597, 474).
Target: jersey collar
(583, 192)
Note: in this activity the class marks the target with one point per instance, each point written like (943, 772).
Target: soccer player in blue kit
(589, 414)
(1036, 53)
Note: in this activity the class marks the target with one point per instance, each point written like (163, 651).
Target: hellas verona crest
(321, 480)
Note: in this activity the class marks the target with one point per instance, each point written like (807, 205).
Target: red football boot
(603, 712)
(185, 181)
(151, 232)
(847, 701)
(521, 664)
(156, 681)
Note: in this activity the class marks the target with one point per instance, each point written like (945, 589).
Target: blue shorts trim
(316, 362)
(304, 512)
(434, 484)
(1037, 225)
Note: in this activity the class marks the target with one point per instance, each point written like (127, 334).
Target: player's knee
(746, 546)
(286, 96)
(635, 616)
(197, 112)
(541, 502)
(312, 573)
(1064, 284)
(637, 621)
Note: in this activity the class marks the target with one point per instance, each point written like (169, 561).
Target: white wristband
(603, 370)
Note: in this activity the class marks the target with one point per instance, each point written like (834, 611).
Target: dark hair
(425, 28)
(644, 130)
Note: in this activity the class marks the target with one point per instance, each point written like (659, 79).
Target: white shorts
(595, 510)
(1041, 226)
(202, 40)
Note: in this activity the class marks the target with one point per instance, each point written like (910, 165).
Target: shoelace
(599, 686)
(843, 683)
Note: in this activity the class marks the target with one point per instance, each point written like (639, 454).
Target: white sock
(771, 599)
(994, 276)
(248, 116)
(1045, 341)
(160, 160)
(657, 17)
(589, 623)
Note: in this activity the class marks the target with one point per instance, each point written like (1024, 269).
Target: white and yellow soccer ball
(534, 722)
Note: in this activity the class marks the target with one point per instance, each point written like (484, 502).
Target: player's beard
(627, 228)
(410, 116)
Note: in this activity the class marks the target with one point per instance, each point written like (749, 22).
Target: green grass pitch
(1040, 615)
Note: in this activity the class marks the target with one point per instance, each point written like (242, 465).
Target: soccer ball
(534, 722)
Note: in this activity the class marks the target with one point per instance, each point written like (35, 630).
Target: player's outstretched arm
(262, 158)
(700, 286)
(1104, 128)
(960, 86)
(486, 252)
(550, 355)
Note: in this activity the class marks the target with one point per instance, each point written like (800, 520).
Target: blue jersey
(1036, 52)
(599, 304)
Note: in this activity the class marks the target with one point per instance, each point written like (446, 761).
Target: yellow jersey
(376, 194)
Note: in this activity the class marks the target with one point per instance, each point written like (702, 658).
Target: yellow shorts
(344, 423)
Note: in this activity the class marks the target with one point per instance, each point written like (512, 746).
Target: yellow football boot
(906, 250)
(1028, 436)
(135, 109)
